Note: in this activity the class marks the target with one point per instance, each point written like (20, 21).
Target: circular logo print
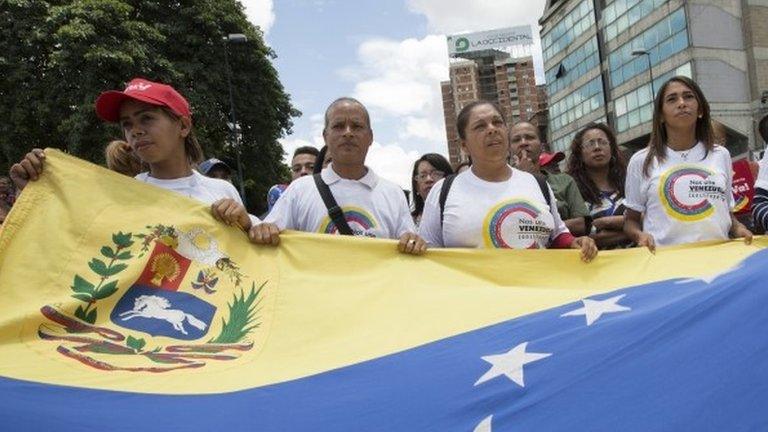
(686, 193)
(515, 224)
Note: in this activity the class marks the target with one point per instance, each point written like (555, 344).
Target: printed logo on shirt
(361, 222)
(687, 193)
(515, 224)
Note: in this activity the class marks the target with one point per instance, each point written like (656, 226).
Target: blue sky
(390, 54)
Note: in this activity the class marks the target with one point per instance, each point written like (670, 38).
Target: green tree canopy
(57, 56)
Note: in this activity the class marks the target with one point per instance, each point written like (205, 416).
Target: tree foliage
(57, 56)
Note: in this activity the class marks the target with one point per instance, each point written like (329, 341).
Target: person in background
(427, 170)
(678, 189)
(323, 160)
(550, 162)
(525, 144)
(462, 166)
(157, 123)
(215, 168)
(303, 161)
(120, 158)
(597, 166)
(370, 205)
(302, 164)
(493, 205)
(760, 201)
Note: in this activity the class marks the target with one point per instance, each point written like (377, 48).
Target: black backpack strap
(444, 194)
(542, 181)
(334, 211)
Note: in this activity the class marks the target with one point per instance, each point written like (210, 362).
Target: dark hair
(762, 128)
(463, 117)
(617, 168)
(346, 100)
(191, 146)
(440, 164)
(306, 150)
(461, 165)
(319, 160)
(657, 144)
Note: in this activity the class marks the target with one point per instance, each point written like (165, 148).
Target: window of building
(577, 104)
(576, 22)
(574, 65)
(636, 106)
(663, 40)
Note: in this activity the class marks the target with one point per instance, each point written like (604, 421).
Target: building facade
(493, 76)
(600, 55)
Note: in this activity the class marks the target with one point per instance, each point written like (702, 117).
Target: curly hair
(617, 167)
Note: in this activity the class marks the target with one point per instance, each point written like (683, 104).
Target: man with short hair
(303, 162)
(371, 206)
(525, 149)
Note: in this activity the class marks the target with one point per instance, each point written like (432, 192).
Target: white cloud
(392, 162)
(399, 81)
(456, 16)
(260, 13)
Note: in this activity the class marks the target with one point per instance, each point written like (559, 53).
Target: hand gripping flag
(125, 307)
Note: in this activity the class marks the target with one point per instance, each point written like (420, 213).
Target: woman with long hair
(598, 167)
(678, 189)
(492, 204)
(427, 170)
(157, 123)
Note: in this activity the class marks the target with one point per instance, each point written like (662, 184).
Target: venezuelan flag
(125, 307)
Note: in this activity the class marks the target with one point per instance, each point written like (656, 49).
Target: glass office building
(600, 55)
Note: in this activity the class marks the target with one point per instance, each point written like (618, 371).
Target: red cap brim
(108, 104)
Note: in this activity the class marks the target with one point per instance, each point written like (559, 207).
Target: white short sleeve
(431, 227)
(635, 196)
(762, 175)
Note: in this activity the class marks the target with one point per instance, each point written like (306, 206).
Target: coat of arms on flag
(190, 305)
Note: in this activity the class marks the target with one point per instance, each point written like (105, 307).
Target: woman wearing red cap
(157, 123)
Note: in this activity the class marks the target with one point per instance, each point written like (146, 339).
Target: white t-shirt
(197, 186)
(373, 207)
(762, 175)
(509, 214)
(686, 198)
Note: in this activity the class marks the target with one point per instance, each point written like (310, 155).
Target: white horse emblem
(149, 306)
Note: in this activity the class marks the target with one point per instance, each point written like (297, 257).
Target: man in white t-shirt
(372, 206)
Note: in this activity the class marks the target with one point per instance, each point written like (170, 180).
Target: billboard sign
(491, 39)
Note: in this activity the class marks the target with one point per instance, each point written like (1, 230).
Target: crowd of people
(509, 194)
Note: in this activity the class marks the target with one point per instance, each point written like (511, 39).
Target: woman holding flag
(678, 189)
(157, 123)
(493, 205)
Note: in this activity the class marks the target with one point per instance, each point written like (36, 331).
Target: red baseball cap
(548, 158)
(153, 93)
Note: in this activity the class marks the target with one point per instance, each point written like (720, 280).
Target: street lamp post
(234, 128)
(647, 54)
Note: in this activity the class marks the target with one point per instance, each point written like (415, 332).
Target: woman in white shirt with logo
(157, 123)
(678, 189)
(493, 205)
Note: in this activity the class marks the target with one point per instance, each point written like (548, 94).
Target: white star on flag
(510, 364)
(594, 309)
(485, 425)
(709, 279)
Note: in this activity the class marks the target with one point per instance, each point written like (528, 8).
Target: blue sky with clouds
(390, 54)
